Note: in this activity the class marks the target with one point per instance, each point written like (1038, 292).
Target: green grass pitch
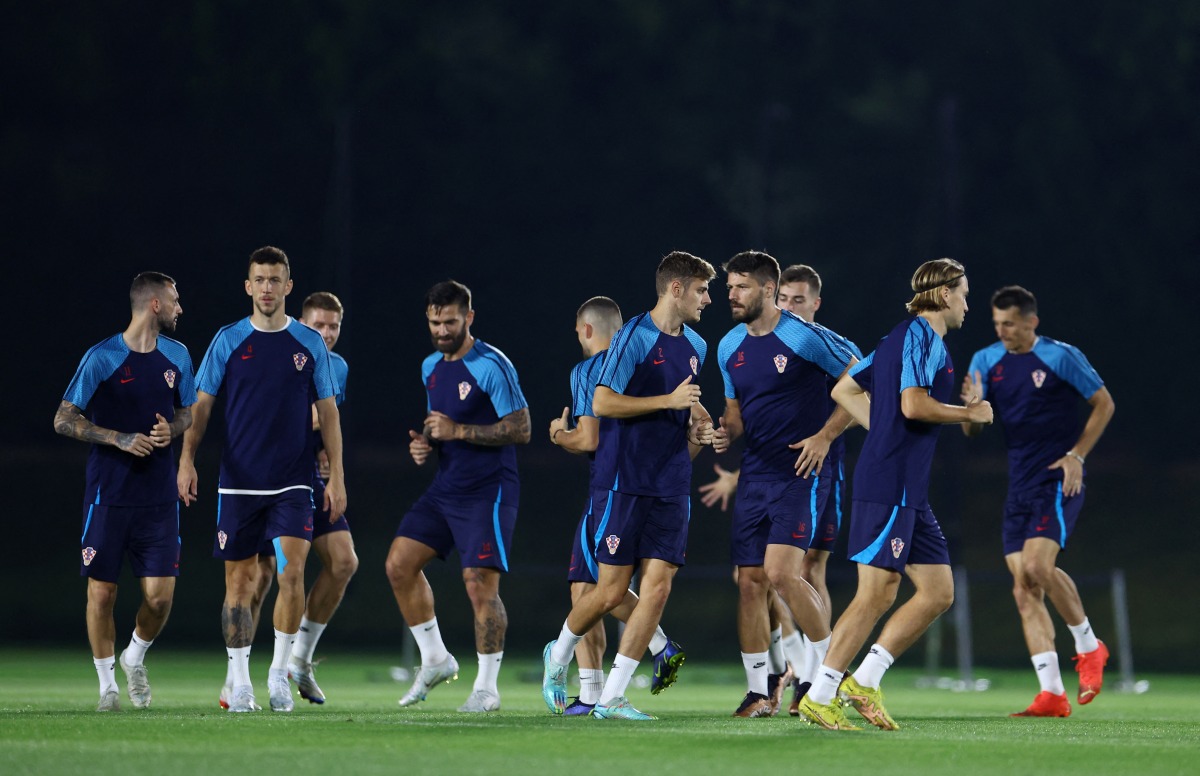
(48, 726)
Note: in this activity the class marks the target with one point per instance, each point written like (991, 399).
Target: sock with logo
(489, 670)
(135, 653)
(777, 663)
(429, 641)
(106, 671)
(618, 679)
(793, 650)
(815, 652)
(238, 674)
(1085, 640)
(1048, 674)
(755, 664)
(283, 650)
(871, 670)
(658, 642)
(564, 647)
(306, 640)
(825, 683)
(591, 682)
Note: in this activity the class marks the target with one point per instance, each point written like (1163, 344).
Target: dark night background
(545, 152)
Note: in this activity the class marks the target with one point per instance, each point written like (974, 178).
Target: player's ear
(588, 331)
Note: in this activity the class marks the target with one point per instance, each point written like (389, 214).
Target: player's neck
(936, 321)
(765, 323)
(276, 321)
(141, 336)
(457, 355)
(1023, 348)
(666, 318)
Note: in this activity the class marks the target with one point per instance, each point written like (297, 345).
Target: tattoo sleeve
(238, 626)
(512, 429)
(181, 422)
(70, 422)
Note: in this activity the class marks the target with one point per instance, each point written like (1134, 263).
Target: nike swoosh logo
(1041, 528)
(485, 557)
(797, 536)
(127, 380)
(245, 357)
(740, 363)
(658, 361)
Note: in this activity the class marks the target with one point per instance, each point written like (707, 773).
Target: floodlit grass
(48, 726)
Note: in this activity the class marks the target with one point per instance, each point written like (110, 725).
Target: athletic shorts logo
(299, 359)
(695, 362)
(780, 363)
(222, 537)
(170, 376)
(464, 388)
(897, 547)
(89, 554)
(1039, 377)
(612, 542)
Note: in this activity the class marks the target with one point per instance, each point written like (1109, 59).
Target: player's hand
(160, 433)
(1072, 471)
(139, 445)
(335, 499)
(419, 447)
(323, 464)
(440, 427)
(700, 432)
(721, 489)
(972, 388)
(186, 481)
(812, 454)
(979, 411)
(684, 395)
(720, 442)
(560, 424)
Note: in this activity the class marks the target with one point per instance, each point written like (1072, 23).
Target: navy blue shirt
(584, 377)
(1036, 397)
(122, 390)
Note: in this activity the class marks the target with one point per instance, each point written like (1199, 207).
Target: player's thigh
(153, 541)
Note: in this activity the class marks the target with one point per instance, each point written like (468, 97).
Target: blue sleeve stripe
(922, 347)
(496, 375)
(698, 343)
(862, 364)
(1069, 363)
(725, 350)
(984, 361)
(310, 340)
(212, 366)
(96, 366)
(623, 353)
(814, 343)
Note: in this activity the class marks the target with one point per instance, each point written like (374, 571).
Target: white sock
(871, 670)
(755, 664)
(283, 650)
(775, 652)
(793, 650)
(306, 640)
(618, 679)
(1085, 640)
(824, 684)
(106, 669)
(658, 642)
(238, 674)
(489, 670)
(135, 653)
(564, 647)
(1048, 674)
(591, 682)
(429, 641)
(815, 652)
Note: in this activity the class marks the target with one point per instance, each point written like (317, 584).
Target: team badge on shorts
(299, 359)
(88, 555)
(897, 547)
(1039, 377)
(169, 376)
(222, 537)
(780, 363)
(695, 362)
(464, 388)
(612, 541)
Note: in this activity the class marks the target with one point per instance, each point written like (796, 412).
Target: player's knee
(101, 597)
(344, 567)
(939, 598)
(159, 604)
(1038, 574)
(399, 572)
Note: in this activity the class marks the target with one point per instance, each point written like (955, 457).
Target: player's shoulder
(589, 364)
(1050, 345)
(730, 341)
(695, 339)
(986, 358)
(107, 347)
(430, 362)
(306, 335)
(173, 349)
(487, 353)
(339, 361)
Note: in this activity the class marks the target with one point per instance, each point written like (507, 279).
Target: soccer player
(137, 390)
(799, 294)
(273, 370)
(776, 368)
(899, 394)
(1036, 385)
(595, 323)
(476, 417)
(646, 384)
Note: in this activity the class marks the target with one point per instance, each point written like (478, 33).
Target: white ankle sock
(1085, 640)
(306, 640)
(564, 647)
(815, 652)
(106, 670)
(135, 653)
(824, 684)
(775, 652)
(1048, 673)
(238, 674)
(591, 682)
(871, 670)
(429, 641)
(793, 650)
(658, 642)
(618, 679)
(489, 670)
(283, 650)
(755, 664)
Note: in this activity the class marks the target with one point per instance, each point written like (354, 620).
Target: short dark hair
(322, 300)
(678, 265)
(801, 273)
(930, 277)
(1015, 296)
(449, 292)
(761, 266)
(269, 254)
(145, 285)
(601, 311)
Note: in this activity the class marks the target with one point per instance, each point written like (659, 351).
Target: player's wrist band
(1076, 456)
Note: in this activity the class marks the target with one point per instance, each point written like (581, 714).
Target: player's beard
(749, 312)
(167, 322)
(451, 346)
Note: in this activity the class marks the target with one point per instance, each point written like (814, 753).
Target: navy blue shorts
(775, 512)
(583, 566)
(321, 524)
(830, 523)
(634, 528)
(891, 537)
(481, 529)
(1041, 512)
(247, 523)
(150, 535)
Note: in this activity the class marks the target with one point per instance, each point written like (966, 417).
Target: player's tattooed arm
(512, 429)
(70, 422)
